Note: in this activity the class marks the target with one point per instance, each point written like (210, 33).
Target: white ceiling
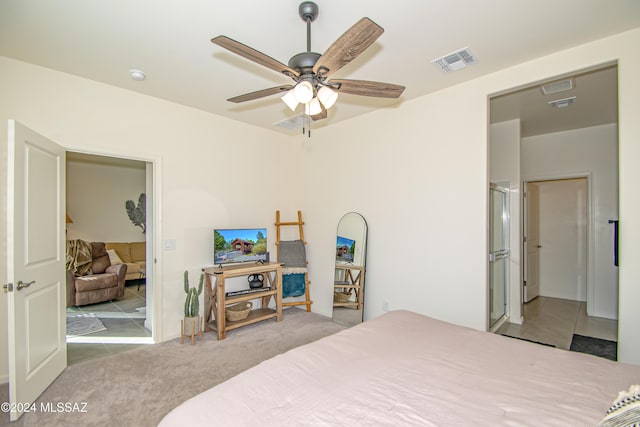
(596, 103)
(169, 41)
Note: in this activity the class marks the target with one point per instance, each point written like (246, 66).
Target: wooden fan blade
(253, 55)
(367, 88)
(321, 115)
(260, 93)
(348, 46)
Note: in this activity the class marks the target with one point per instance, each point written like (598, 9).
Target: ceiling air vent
(556, 87)
(564, 102)
(296, 122)
(455, 60)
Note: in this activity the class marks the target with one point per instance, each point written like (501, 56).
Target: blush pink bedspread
(403, 368)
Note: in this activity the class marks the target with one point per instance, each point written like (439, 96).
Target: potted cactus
(191, 324)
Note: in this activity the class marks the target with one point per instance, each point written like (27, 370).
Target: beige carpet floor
(139, 387)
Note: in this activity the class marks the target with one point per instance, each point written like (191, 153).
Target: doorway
(107, 198)
(532, 138)
(556, 239)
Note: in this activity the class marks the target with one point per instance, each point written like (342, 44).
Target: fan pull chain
(306, 130)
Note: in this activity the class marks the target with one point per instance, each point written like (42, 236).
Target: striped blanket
(78, 257)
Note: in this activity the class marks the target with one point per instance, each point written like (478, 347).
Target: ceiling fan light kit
(303, 92)
(289, 98)
(310, 70)
(327, 96)
(313, 107)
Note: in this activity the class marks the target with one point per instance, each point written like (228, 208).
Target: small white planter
(191, 326)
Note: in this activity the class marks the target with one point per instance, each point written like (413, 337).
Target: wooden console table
(353, 282)
(216, 299)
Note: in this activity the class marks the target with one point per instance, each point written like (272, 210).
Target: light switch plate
(170, 245)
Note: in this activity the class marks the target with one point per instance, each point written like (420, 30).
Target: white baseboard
(85, 339)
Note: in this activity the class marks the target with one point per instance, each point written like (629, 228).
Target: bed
(404, 368)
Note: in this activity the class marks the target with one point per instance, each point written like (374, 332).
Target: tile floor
(123, 317)
(81, 352)
(554, 321)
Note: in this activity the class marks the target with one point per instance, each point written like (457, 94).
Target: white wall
(423, 169)
(96, 195)
(504, 169)
(563, 236)
(194, 154)
(422, 188)
(629, 207)
(592, 151)
(423, 175)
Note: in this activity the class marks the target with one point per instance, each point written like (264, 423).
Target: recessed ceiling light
(137, 75)
(564, 102)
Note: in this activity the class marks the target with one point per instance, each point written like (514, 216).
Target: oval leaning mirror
(348, 286)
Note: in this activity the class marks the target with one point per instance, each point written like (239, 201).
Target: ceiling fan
(310, 70)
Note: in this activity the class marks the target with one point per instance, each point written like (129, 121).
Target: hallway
(554, 321)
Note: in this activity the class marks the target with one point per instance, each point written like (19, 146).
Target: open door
(531, 244)
(499, 253)
(35, 265)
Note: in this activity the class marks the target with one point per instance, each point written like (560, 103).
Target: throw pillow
(113, 257)
(625, 410)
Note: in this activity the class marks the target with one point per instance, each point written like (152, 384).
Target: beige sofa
(133, 255)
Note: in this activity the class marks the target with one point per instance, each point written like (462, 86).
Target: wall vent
(555, 87)
(455, 60)
(564, 102)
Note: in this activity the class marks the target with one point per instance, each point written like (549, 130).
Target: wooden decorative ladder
(299, 224)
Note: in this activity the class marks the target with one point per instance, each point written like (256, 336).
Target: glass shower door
(498, 252)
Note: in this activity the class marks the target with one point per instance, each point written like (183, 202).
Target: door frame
(527, 241)
(590, 229)
(154, 255)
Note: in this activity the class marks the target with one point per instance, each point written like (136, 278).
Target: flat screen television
(239, 245)
(345, 248)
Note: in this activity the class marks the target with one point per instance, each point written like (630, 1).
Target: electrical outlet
(385, 305)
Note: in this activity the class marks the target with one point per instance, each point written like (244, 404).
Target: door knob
(24, 285)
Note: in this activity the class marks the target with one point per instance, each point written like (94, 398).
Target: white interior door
(563, 229)
(35, 265)
(532, 244)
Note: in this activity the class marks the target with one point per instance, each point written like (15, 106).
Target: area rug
(595, 346)
(84, 324)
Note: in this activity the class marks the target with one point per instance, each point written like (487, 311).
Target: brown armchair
(105, 284)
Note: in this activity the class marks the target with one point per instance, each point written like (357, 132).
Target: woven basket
(238, 311)
(341, 296)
